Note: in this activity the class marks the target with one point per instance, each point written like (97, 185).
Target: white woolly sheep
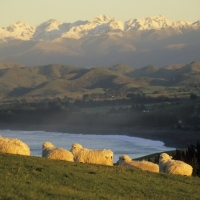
(170, 166)
(84, 155)
(51, 152)
(125, 160)
(14, 146)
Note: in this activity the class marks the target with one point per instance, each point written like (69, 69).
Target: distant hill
(173, 66)
(7, 65)
(193, 67)
(144, 72)
(65, 80)
(122, 68)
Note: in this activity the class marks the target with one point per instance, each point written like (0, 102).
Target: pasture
(24, 177)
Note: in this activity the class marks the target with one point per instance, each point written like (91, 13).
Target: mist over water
(120, 144)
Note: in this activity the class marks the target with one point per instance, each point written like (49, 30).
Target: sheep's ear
(108, 157)
(171, 157)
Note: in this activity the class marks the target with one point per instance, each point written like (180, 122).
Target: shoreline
(170, 137)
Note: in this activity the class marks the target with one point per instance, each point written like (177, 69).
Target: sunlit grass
(39, 178)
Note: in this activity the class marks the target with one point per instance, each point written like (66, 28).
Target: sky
(35, 12)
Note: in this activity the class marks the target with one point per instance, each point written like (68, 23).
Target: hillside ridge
(65, 80)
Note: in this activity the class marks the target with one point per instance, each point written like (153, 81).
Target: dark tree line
(69, 112)
(190, 156)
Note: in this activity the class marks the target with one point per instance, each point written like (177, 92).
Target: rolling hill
(17, 81)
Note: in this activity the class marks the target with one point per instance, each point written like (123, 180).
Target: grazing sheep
(170, 166)
(14, 146)
(83, 155)
(125, 160)
(51, 152)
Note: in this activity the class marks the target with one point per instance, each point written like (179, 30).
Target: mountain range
(103, 41)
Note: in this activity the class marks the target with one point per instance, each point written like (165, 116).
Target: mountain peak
(20, 23)
(155, 22)
(50, 29)
(158, 17)
(17, 25)
(197, 23)
(101, 19)
(17, 30)
(50, 24)
(155, 18)
(53, 21)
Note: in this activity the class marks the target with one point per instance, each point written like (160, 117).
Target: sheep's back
(143, 165)
(60, 154)
(149, 166)
(14, 146)
(178, 167)
(104, 157)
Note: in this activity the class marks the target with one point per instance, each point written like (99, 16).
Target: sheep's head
(123, 158)
(165, 156)
(108, 157)
(48, 145)
(76, 146)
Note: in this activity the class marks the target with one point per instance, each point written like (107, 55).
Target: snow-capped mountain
(156, 22)
(100, 24)
(197, 23)
(53, 29)
(18, 30)
(102, 41)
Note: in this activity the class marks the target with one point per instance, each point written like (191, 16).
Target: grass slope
(39, 178)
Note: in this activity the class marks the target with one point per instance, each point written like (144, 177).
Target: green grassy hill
(40, 178)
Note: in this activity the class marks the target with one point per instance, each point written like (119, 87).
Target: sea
(134, 147)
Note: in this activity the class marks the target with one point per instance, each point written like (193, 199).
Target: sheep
(14, 146)
(170, 166)
(51, 152)
(84, 155)
(125, 160)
